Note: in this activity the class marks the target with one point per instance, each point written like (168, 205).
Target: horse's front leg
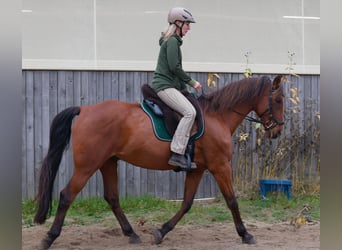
(223, 176)
(191, 183)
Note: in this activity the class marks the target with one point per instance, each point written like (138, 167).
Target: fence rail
(46, 93)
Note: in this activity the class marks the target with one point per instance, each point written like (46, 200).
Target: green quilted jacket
(169, 72)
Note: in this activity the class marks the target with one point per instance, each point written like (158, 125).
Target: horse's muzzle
(274, 134)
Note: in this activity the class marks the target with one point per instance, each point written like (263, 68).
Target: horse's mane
(234, 94)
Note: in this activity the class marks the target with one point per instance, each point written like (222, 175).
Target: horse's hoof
(134, 239)
(158, 237)
(248, 239)
(45, 244)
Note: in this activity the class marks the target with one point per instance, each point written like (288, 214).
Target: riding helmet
(180, 14)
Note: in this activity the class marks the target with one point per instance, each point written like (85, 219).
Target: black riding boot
(178, 160)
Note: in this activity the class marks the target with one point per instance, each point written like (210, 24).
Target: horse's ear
(277, 81)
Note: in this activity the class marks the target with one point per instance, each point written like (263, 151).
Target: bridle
(271, 122)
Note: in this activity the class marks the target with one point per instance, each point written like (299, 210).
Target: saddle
(165, 120)
(171, 118)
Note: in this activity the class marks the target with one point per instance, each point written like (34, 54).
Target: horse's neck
(235, 117)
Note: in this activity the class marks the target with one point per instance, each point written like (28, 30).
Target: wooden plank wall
(46, 93)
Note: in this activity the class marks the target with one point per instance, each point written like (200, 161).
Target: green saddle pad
(159, 128)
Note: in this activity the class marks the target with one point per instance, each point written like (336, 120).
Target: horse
(125, 133)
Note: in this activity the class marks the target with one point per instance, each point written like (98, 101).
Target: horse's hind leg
(110, 182)
(224, 180)
(67, 196)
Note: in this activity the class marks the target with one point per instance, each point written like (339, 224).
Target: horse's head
(270, 108)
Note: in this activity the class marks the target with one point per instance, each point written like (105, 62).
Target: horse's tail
(60, 133)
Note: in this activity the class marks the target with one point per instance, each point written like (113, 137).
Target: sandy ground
(194, 237)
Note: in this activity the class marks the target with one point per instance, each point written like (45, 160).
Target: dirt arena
(194, 237)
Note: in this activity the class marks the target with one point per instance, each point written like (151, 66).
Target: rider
(169, 79)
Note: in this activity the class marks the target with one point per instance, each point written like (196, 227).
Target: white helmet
(180, 14)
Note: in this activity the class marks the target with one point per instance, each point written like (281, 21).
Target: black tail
(60, 133)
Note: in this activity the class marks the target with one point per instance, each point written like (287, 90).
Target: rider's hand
(197, 86)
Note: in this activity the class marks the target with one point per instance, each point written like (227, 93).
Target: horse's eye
(278, 100)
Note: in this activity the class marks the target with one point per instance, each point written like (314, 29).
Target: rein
(271, 122)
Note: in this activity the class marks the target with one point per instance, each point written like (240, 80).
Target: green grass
(147, 209)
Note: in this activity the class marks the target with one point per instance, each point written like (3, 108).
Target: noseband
(271, 122)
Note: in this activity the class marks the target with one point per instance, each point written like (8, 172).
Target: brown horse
(109, 131)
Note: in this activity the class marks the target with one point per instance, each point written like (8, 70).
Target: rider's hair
(169, 31)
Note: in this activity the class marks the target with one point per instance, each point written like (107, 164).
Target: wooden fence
(46, 93)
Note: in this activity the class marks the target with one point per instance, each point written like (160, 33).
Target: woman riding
(170, 79)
